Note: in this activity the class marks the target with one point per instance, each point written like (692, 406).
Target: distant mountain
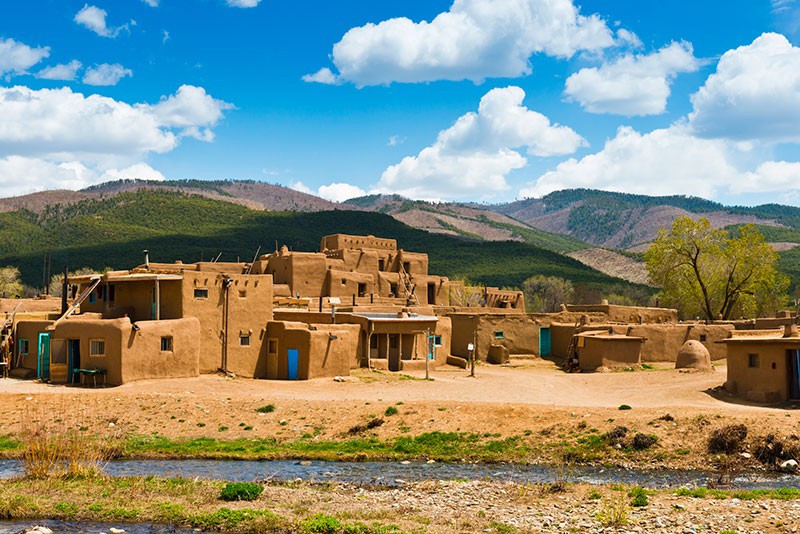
(468, 221)
(251, 194)
(624, 221)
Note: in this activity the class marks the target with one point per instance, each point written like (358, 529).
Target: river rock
(789, 466)
(39, 529)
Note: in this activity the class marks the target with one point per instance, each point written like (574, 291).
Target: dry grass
(52, 449)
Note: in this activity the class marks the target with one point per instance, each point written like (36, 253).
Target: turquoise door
(293, 363)
(544, 342)
(43, 365)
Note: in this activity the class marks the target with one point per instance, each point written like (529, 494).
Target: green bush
(241, 491)
(269, 408)
(322, 524)
(391, 410)
(624, 407)
(638, 496)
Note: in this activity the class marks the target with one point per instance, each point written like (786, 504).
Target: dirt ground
(531, 398)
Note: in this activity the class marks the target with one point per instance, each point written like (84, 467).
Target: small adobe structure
(764, 365)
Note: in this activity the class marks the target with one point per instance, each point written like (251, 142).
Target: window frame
(200, 293)
(753, 361)
(170, 346)
(102, 343)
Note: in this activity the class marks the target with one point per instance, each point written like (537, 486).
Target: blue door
(292, 362)
(544, 342)
(43, 364)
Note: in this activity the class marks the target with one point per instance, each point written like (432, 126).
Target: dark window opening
(244, 341)
(166, 344)
(753, 361)
(702, 338)
(362, 290)
(201, 293)
(499, 335)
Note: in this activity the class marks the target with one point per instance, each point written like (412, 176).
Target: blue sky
(473, 100)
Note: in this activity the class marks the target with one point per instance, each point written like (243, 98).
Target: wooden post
(157, 298)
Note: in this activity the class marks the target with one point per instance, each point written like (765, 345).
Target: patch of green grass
(241, 491)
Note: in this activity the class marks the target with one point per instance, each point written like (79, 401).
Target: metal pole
(428, 355)
(472, 355)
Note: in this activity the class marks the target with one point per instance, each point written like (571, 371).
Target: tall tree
(546, 293)
(713, 274)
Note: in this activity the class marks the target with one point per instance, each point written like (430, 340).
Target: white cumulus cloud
(56, 136)
(106, 74)
(632, 84)
(93, 18)
(192, 110)
(474, 155)
(474, 40)
(339, 192)
(151, 3)
(63, 72)
(243, 3)
(323, 75)
(662, 162)
(753, 95)
(139, 171)
(16, 57)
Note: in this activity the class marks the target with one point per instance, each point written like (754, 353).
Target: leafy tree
(710, 273)
(546, 293)
(10, 285)
(57, 280)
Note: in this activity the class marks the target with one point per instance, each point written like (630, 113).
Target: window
(201, 293)
(381, 265)
(702, 338)
(23, 347)
(97, 347)
(273, 346)
(242, 293)
(244, 341)
(752, 361)
(112, 294)
(344, 282)
(499, 335)
(437, 341)
(393, 289)
(166, 344)
(93, 297)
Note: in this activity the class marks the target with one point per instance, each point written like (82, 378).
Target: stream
(398, 473)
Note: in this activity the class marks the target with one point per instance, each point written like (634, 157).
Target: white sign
(470, 346)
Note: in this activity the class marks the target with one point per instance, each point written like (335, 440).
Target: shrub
(241, 491)
(322, 524)
(617, 434)
(638, 496)
(624, 407)
(643, 441)
(727, 439)
(614, 514)
(269, 408)
(391, 410)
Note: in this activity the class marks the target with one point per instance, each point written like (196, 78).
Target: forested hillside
(114, 231)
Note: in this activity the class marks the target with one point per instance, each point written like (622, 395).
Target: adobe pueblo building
(361, 302)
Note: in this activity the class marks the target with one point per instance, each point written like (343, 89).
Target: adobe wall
(414, 263)
(444, 328)
(30, 330)
(319, 354)
(766, 384)
(110, 331)
(136, 299)
(560, 338)
(303, 272)
(250, 307)
(520, 333)
(7, 306)
(344, 284)
(345, 241)
(142, 357)
(599, 352)
(628, 314)
(664, 341)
